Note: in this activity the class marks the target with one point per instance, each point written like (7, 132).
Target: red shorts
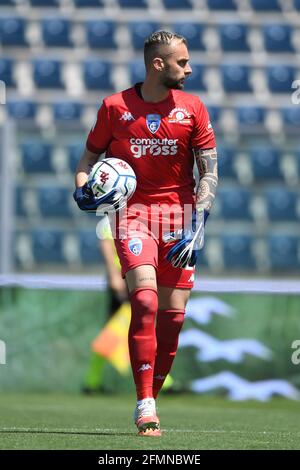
(141, 248)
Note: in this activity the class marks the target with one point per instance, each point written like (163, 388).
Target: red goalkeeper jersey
(156, 139)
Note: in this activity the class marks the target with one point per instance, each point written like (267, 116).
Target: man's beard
(169, 82)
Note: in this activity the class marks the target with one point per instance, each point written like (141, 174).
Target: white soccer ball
(112, 173)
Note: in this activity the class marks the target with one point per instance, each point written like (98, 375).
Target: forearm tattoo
(207, 164)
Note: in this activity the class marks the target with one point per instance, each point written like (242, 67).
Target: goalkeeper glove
(86, 201)
(184, 252)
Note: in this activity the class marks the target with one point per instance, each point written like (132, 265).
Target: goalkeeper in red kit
(160, 131)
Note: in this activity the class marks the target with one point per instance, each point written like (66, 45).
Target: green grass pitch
(193, 422)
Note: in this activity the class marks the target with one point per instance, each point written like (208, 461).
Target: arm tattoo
(207, 164)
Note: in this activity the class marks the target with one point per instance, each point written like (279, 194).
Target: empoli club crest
(153, 122)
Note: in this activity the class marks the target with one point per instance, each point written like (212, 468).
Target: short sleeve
(100, 135)
(203, 135)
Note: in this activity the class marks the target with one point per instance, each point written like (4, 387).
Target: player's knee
(144, 300)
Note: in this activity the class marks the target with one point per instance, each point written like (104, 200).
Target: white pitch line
(118, 431)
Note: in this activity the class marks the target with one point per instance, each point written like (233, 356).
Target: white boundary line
(98, 283)
(125, 431)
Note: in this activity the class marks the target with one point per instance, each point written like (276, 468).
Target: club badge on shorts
(135, 245)
(153, 122)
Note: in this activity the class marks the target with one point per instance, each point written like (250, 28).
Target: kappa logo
(209, 126)
(144, 367)
(135, 246)
(160, 377)
(126, 116)
(153, 122)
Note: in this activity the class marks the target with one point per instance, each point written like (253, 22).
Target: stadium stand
(283, 252)
(56, 32)
(60, 58)
(12, 31)
(22, 110)
(47, 73)
(178, 4)
(233, 37)
(47, 246)
(235, 203)
(6, 71)
(97, 74)
(139, 29)
(237, 251)
(221, 5)
(100, 34)
(36, 156)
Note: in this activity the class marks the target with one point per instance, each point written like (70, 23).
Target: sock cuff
(170, 311)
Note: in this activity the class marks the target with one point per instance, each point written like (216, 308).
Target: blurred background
(58, 59)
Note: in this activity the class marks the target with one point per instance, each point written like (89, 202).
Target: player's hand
(184, 252)
(86, 201)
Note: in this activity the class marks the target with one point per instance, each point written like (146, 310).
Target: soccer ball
(112, 173)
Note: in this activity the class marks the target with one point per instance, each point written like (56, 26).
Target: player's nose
(188, 69)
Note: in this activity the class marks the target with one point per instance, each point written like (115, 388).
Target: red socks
(142, 339)
(168, 326)
(151, 351)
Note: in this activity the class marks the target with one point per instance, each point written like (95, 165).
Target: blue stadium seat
(250, 115)
(298, 161)
(202, 259)
(195, 80)
(22, 109)
(281, 204)
(280, 78)
(297, 4)
(74, 152)
(221, 4)
(283, 252)
(226, 157)
(233, 37)
(265, 5)
(12, 31)
(89, 247)
(44, 3)
(235, 203)
(67, 111)
(20, 210)
(193, 32)
(177, 4)
(36, 157)
(7, 3)
(54, 201)
(97, 75)
(277, 38)
(100, 34)
(6, 72)
(139, 30)
(47, 246)
(47, 73)
(136, 71)
(236, 78)
(291, 115)
(133, 3)
(56, 32)
(237, 251)
(214, 114)
(264, 161)
(88, 3)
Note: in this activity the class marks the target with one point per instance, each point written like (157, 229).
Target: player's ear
(158, 64)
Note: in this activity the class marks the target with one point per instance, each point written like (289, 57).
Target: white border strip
(98, 283)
